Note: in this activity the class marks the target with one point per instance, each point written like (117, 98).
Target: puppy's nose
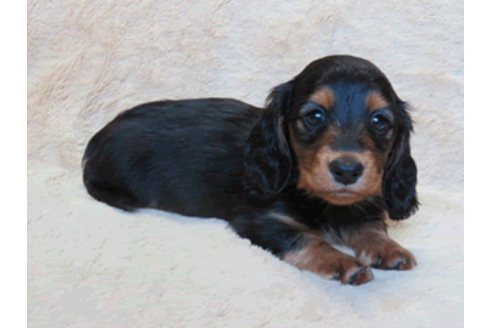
(346, 170)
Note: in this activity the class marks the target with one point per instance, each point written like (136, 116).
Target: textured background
(92, 266)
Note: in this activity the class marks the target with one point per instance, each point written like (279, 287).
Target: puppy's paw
(347, 269)
(389, 256)
(330, 263)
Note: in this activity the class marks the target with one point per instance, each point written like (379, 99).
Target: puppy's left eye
(380, 123)
(314, 118)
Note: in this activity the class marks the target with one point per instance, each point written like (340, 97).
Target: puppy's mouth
(343, 194)
(343, 197)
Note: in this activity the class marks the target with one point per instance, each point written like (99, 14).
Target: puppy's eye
(314, 118)
(380, 123)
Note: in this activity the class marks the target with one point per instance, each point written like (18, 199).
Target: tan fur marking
(315, 176)
(375, 101)
(373, 246)
(366, 139)
(312, 256)
(321, 258)
(290, 221)
(324, 97)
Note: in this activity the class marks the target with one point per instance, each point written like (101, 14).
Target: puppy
(323, 164)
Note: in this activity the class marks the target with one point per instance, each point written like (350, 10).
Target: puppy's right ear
(268, 162)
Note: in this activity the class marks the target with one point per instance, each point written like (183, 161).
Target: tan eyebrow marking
(324, 97)
(375, 101)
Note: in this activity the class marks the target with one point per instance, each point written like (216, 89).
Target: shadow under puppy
(322, 164)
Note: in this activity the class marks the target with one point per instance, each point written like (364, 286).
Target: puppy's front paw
(347, 269)
(388, 256)
(330, 263)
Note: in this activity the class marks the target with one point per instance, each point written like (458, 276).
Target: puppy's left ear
(268, 162)
(400, 173)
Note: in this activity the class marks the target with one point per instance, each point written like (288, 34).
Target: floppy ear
(268, 162)
(400, 174)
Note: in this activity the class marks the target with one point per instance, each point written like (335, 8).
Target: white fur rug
(90, 265)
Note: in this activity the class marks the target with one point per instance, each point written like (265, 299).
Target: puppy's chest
(321, 216)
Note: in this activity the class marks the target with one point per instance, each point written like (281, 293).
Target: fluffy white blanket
(90, 265)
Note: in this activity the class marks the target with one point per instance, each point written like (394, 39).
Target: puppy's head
(339, 131)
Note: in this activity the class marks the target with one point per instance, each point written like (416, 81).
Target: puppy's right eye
(314, 118)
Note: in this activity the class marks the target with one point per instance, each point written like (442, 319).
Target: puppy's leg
(298, 245)
(374, 247)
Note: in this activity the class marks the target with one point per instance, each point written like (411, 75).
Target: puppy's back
(182, 156)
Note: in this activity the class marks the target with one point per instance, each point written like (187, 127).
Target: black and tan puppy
(322, 164)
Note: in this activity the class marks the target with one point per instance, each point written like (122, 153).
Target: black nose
(346, 170)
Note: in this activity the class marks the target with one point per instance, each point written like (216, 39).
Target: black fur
(227, 159)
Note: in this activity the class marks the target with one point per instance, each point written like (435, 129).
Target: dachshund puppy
(323, 164)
